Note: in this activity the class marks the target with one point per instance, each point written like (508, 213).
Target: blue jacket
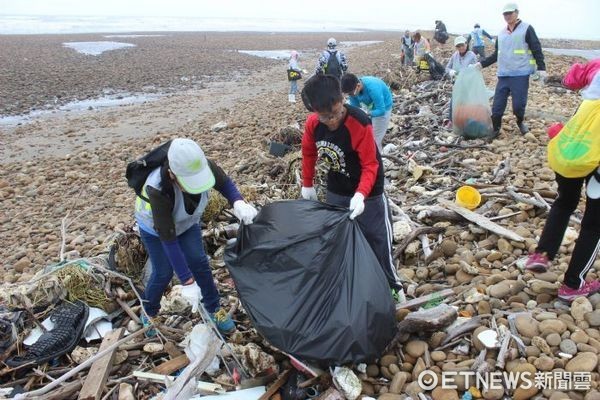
(375, 94)
(477, 36)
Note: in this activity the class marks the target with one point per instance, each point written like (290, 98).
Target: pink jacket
(581, 75)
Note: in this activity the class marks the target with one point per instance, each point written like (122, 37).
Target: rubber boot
(496, 124)
(292, 98)
(523, 128)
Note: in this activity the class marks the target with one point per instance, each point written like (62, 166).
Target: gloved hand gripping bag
(311, 284)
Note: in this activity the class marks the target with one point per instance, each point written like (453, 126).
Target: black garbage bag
(441, 37)
(311, 284)
(436, 70)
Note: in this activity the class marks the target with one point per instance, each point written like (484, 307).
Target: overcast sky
(550, 18)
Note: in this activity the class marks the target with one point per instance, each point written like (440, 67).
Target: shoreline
(38, 70)
(40, 73)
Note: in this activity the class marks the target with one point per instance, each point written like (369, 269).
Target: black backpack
(333, 66)
(137, 171)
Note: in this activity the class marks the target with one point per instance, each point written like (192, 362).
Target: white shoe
(292, 98)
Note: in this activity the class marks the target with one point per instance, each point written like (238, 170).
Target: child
(586, 249)
(294, 75)
(376, 96)
(168, 213)
(343, 136)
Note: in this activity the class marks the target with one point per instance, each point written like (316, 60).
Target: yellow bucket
(468, 197)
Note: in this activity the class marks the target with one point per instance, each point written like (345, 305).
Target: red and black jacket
(350, 153)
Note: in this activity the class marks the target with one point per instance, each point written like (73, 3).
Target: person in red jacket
(342, 136)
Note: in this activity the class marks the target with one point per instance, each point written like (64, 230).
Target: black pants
(588, 243)
(376, 224)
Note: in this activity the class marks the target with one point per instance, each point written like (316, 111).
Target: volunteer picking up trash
(168, 211)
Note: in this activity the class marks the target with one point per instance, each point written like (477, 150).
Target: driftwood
(425, 299)
(96, 378)
(502, 353)
(482, 221)
(423, 230)
(515, 333)
(172, 365)
(79, 368)
(429, 320)
(275, 386)
(432, 319)
(63, 392)
(522, 199)
(544, 193)
(462, 329)
(436, 213)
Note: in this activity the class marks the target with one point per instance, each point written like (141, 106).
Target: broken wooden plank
(276, 385)
(63, 392)
(415, 303)
(482, 221)
(128, 310)
(96, 378)
(172, 365)
(172, 350)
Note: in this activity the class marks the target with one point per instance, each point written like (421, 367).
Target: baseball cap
(189, 165)
(510, 7)
(593, 186)
(460, 40)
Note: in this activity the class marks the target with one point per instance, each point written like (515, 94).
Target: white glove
(191, 293)
(244, 211)
(543, 76)
(357, 205)
(452, 74)
(308, 193)
(304, 71)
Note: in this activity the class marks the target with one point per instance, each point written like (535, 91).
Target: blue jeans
(293, 87)
(162, 271)
(517, 87)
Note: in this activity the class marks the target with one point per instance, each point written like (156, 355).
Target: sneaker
(568, 294)
(223, 321)
(147, 322)
(537, 262)
(523, 128)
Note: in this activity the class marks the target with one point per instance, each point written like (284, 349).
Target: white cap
(593, 186)
(331, 43)
(460, 40)
(510, 7)
(190, 167)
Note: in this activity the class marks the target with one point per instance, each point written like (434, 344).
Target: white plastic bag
(195, 345)
(471, 113)
(347, 382)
